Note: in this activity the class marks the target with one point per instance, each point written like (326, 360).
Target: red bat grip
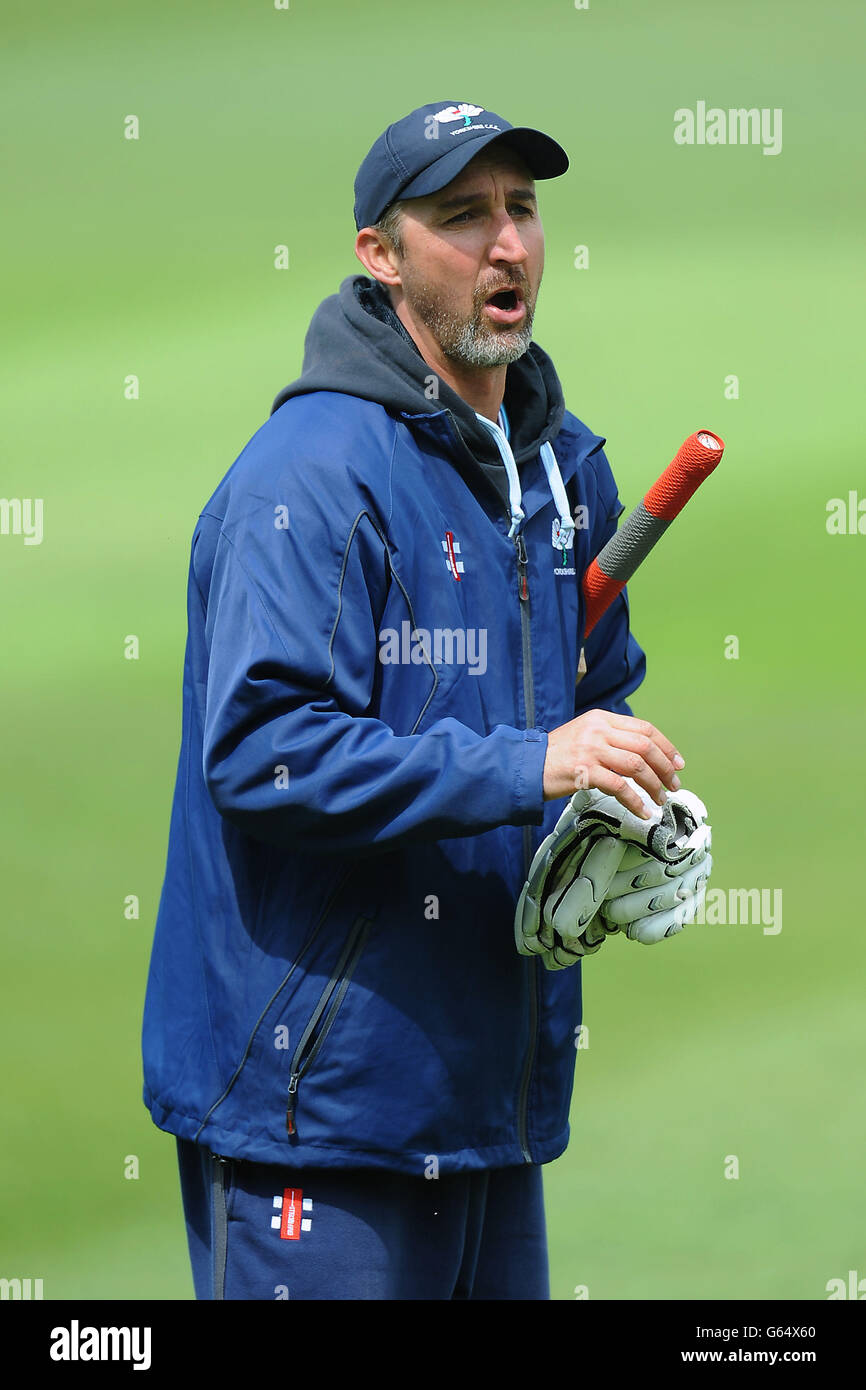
(694, 461)
(599, 592)
(610, 571)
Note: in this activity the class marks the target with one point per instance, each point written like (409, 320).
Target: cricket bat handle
(615, 564)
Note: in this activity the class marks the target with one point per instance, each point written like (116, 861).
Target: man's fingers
(643, 727)
(595, 775)
(650, 752)
(633, 765)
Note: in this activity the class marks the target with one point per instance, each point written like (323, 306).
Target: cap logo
(454, 113)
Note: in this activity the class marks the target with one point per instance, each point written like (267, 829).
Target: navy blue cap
(428, 148)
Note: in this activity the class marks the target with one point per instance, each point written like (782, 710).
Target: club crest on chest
(562, 542)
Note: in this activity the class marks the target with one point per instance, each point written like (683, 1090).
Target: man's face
(473, 260)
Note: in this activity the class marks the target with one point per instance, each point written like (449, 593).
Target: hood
(356, 344)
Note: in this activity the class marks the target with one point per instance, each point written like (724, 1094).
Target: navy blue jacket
(368, 686)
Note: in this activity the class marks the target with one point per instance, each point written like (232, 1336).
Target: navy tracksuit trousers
(257, 1231)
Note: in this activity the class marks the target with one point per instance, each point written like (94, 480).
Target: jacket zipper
(532, 965)
(529, 702)
(333, 994)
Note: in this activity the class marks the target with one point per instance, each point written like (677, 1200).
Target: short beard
(470, 342)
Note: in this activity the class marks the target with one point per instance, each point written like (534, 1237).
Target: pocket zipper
(333, 994)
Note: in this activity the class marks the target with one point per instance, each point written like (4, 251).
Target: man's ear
(377, 256)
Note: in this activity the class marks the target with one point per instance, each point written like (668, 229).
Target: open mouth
(504, 299)
(505, 306)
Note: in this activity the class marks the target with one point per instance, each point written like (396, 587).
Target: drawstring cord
(500, 433)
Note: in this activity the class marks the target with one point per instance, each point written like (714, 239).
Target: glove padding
(580, 869)
(652, 898)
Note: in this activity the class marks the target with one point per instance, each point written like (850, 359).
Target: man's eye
(517, 209)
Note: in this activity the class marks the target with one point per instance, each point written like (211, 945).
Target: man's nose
(508, 243)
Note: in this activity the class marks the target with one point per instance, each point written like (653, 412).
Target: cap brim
(543, 157)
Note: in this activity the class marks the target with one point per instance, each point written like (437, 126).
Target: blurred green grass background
(155, 257)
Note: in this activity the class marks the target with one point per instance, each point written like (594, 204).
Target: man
(385, 702)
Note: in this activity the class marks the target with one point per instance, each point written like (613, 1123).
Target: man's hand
(602, 750)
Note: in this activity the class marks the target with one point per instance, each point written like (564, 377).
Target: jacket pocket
(273, 1002)
(325, 1013)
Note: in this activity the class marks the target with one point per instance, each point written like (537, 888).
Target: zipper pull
(293, 1100)
(523, 586)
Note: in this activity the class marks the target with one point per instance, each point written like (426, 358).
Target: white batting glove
(654, 895)
(568, 878)
(559, 913)
(603, 870)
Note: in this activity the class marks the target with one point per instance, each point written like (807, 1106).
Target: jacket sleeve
(615, 663)
(292, 754)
